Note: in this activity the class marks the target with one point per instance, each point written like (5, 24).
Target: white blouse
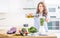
(41, 29)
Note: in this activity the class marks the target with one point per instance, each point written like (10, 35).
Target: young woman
(41, 13)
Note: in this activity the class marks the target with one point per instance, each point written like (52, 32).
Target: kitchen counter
(12, 36)
(39, 37)
(50, 35)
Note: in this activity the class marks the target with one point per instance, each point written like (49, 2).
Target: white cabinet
(3, 8)
(4, 5)
(52, 6)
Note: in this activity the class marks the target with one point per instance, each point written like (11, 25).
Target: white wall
(13, 16)
(3, 5)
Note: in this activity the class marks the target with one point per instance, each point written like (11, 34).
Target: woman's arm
(47, 18)
(29, 14)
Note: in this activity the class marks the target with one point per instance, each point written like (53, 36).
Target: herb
(32, 30)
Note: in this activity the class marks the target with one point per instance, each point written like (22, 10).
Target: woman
(41, 13)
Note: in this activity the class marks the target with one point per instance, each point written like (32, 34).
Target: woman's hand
(29, 15)
(46, 19)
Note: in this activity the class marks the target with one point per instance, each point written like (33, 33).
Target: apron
(41, 29)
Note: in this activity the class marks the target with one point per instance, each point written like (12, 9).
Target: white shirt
(41, 29)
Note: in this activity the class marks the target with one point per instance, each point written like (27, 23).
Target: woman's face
(41, 8)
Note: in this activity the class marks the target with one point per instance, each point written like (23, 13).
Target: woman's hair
(44, 9)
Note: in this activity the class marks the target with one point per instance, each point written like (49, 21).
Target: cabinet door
(4, 5)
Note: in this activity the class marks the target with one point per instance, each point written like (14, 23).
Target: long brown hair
(44, 9)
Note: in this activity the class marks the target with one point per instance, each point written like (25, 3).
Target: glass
(41, 21)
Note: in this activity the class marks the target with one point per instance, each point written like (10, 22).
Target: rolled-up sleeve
(48, 17)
